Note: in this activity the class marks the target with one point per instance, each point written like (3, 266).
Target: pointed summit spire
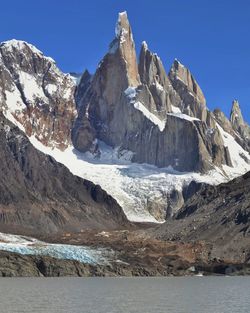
(236, 117)
(151, 68)
(181, 73)
(239, 125)
(122, 28)
(123, 49)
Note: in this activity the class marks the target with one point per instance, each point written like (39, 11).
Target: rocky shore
(17, 265)
(130, 253)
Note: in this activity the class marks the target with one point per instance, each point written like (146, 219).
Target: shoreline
(18, 265)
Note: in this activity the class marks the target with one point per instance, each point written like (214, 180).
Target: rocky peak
(194, 102)
(180, 72)
(102, 105)
(22, 47)
(153, 75)
(223, 121)
(236, 117)
(148, 115)
(82, 86)
(35, 93)
(124, 46)
(241, 128)
(151, 68)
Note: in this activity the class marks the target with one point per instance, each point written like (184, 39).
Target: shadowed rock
(39, 195)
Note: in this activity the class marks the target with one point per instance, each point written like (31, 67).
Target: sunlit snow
(133, 185)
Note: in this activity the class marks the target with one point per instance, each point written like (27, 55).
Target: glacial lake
(125, 295)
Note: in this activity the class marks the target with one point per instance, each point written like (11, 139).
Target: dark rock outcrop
(39, 195)
(219, 215)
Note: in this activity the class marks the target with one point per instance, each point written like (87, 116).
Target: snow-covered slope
(140, 189)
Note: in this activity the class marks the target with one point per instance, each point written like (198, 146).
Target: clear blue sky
(212, 38)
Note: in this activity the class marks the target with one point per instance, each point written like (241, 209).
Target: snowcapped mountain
(36, 93)
(138, 132)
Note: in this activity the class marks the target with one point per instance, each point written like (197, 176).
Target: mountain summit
(162, 119)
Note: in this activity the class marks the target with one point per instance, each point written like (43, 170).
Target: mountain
(219, 215)
(241, 128)
(162, 119)
(139, 132)
(36, 93)
(39, 196)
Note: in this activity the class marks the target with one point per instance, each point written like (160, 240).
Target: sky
(210, 37)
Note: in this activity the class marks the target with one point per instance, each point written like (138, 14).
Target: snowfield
(134, 186)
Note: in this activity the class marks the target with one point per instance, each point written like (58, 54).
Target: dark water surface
(125, 295)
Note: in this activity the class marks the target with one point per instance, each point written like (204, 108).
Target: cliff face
(241, 128)
(193, 100)
(36, 93)
(39, 195)
(163, 120)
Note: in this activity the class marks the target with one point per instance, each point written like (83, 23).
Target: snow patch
(14, 101)
(183, 116)
(154, 119)
(75, 78)
(175, 109)
(130, 93)
(31, 88)
(51, 88)
(159, 86)
(240, 158)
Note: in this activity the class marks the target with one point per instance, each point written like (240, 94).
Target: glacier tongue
(31, 246)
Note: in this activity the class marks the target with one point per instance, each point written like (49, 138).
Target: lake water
(125, 295)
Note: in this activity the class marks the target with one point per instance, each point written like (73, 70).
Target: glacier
(31, 246)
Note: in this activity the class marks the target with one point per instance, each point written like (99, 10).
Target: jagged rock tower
(162, 119)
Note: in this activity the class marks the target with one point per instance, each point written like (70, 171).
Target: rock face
(162, 120)
(156, 84)
(241, 128)
(219, 215)
(193, 100)
(235, 126)
(36, 93)
(39, 195)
